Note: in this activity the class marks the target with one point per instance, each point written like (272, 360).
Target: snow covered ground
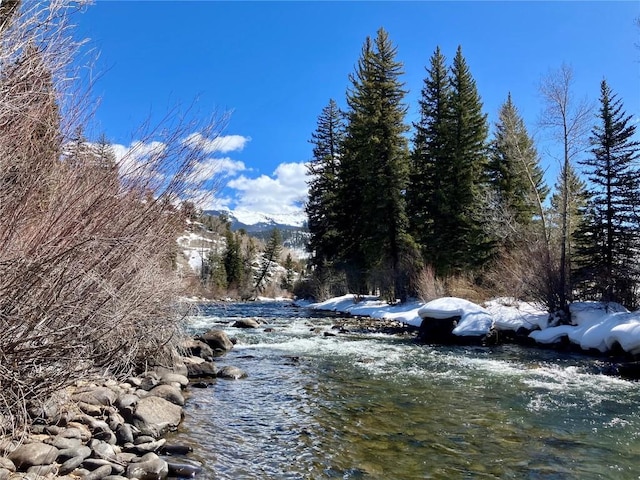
(595, 325)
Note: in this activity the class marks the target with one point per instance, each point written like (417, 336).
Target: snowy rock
(473, 320)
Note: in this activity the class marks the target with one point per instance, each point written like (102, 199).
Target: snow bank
(474, 320)
(596, 325)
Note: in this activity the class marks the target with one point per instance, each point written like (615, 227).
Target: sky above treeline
(275, 65)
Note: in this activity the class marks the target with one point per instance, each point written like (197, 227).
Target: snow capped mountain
(257, 221)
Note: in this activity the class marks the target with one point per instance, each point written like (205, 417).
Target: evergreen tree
(607, 241)
(429, 157)
(374, 172)
(514, 168)
(469, 244)
(269, 259)
(322, 206)
(289, 266)
(233, 259)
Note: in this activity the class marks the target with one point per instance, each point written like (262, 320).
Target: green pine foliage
(429, 157)
(374, 174)
(514, 169)
(607, 240)
(449, 178)
(323, 203)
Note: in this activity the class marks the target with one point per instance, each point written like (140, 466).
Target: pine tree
(233, 259)
(514, 169)
(322, 206)
(429, 156)
(269, 259)
(374, 172)
(607, 241)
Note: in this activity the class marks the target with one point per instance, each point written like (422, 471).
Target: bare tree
(568, 119)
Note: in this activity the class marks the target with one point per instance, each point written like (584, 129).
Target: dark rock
(329, 334)
(124, 433)
(245, 323)
(64, 443)
(438, 330)
(198, 348)
(32, 454)
(201, 385)
(149, 381)
(217, 340)
(142, 448)
(202, 370)
(126, 404)
(231, 372)
(175, 449)
(143, 439)
(183, 470)
(99, 473)
(69, 453)
(70, 465)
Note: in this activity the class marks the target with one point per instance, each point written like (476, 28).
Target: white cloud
(283, 192)
(222, 144)
(213, 167)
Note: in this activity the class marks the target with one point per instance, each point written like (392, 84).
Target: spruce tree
(322, 206)
(374, 173)
(607, 241)
(270, 257)
(429, 157)
(514, 169)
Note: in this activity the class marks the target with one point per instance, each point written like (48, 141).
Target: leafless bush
(87, 234)
(429, 287)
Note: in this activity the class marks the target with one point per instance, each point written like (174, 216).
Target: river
(383, 407)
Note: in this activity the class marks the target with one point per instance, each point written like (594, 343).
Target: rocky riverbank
(104, 429)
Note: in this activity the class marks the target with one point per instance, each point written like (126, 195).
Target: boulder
(7, 464)
(150, 467)
(174, 378)
(155, 416)
(198, 348)
(217, 340)
(33, 454)
(99, 396)
(202, 370)
(99, 473)
(231, 372)
(245, 323)
(168, 392)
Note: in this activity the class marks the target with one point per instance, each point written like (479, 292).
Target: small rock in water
(231, 372)
(245, 323)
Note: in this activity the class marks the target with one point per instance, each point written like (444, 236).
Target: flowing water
(383, 407)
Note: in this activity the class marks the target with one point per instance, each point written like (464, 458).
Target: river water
(383, 407)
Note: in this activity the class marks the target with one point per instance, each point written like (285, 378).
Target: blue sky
(275, 65)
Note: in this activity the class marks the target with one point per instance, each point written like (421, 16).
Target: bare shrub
(87, 237)
(428, 286)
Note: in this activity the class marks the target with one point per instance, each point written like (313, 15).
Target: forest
(444, 207)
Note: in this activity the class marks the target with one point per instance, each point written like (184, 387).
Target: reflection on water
(379, 407)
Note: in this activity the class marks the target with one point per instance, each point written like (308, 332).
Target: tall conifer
(374, 171)
(607, 241)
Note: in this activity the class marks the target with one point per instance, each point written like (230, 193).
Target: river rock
(245, 323)
(32, 454)
(103, 450)
(70, 465)
(155, 416)
(169, 392)
(149, 381)
(124, 434)
(99, 473)
(202, 370)
(100, 396)
(198, 348)
(174, 378)
(151, 467)
(68, 453)
(64, 443)
(126, 404)
(217, 340)
(4, 474)
(231, 372)
(183, 470)
(152, 446)
(7, 464)
(43, 470)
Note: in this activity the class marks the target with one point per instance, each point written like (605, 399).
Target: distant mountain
(254, 222)
(293, 227)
